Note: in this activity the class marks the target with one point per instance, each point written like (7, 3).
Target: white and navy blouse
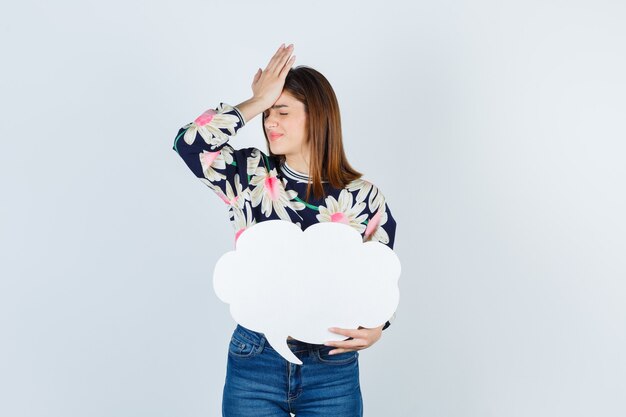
(255, 187)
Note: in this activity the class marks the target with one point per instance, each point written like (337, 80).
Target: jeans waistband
(259, 338)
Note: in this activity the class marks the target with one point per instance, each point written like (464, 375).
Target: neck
(298, 162)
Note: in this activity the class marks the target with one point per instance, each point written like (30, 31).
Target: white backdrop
(494, 129)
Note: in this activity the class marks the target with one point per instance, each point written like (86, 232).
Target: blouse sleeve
(390, 227)
(203, 146)
(381, 227)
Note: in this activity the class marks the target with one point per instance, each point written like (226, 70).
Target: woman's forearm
(252, 107)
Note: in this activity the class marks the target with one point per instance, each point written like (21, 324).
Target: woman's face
(285, 126)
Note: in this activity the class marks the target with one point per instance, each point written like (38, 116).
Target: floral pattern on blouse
(270, 192)
(255, 187)
(342, 210)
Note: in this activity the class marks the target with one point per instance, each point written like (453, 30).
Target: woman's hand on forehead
(268, 84)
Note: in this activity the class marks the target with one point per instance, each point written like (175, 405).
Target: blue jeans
(261, 383)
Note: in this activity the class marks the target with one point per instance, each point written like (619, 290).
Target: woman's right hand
(267, 85)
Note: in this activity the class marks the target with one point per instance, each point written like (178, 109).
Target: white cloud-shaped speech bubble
(281, 281)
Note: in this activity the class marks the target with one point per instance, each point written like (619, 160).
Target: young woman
(305, 178)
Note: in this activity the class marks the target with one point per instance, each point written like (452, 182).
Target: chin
(276, 150)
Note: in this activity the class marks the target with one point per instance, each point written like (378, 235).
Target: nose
(270, 121)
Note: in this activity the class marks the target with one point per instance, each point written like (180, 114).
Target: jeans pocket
(242, 348)
(323, 356)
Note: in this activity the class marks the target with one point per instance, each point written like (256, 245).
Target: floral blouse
(255, 187)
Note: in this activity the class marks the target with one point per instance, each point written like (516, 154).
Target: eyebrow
(279, 106)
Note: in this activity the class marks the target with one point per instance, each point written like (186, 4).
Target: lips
(275, 136)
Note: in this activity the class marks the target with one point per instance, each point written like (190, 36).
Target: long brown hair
(328, 160)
